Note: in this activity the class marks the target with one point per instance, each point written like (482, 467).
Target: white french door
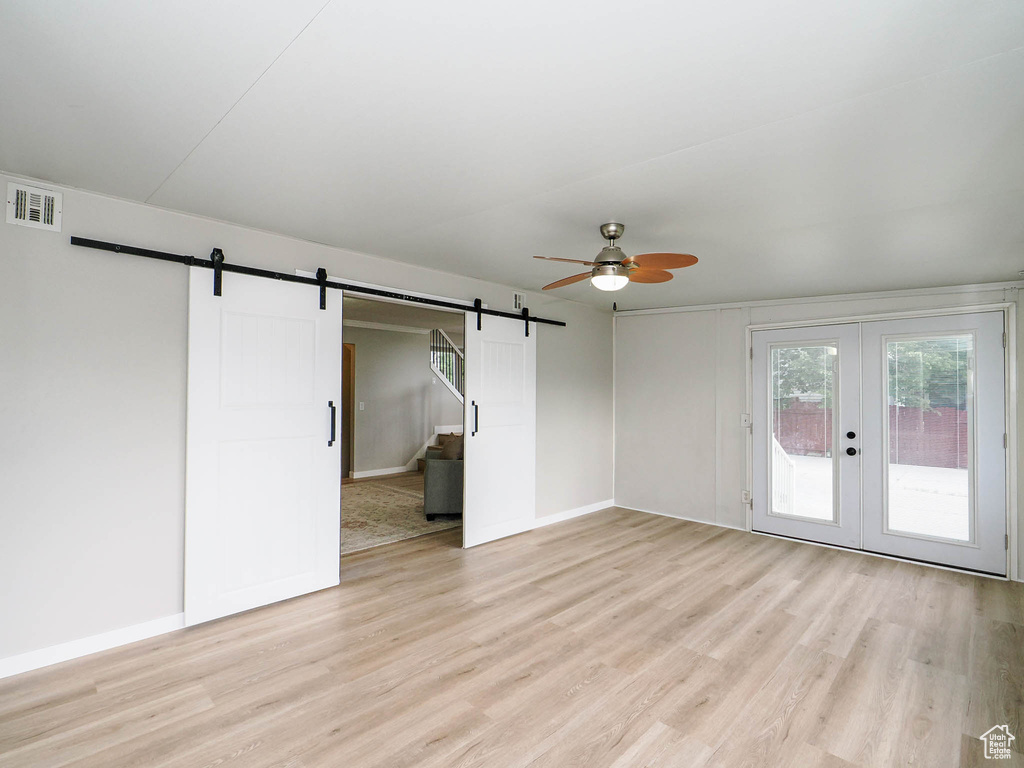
(263, 475)
(934, 387)
(807, 400)
(886, 436)
(500, 428)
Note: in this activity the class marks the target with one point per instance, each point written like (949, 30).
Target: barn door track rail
(219, 265)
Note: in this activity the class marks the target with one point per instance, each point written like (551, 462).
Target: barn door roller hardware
(217, 257)
(219, 265)
(321, 277)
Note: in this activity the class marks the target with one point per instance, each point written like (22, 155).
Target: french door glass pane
(929, 425)
(803, 439)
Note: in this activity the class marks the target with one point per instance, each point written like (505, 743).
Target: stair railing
(448, 363)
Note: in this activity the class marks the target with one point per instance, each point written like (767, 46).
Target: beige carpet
(374, 514)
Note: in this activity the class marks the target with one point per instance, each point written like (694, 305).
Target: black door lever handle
(334, 419)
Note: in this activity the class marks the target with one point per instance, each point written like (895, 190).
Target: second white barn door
(500, 429)
(263, 475)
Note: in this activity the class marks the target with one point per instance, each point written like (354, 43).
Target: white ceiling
(797, 148)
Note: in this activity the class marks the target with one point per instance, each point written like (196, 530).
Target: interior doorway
(402, 422)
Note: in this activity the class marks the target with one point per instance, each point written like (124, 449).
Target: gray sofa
(442, 487)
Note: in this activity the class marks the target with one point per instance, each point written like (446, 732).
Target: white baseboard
(378, 472)
(568, 514)
(680, 517)
(44, 657)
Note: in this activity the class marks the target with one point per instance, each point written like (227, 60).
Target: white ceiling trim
(948, 290)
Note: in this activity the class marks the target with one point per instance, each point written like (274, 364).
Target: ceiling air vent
(34, 207)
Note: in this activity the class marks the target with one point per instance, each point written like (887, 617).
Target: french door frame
(1009, 310)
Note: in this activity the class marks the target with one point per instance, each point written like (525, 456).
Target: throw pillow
(451, 447)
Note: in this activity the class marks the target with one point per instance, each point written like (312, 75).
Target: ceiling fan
(613, 269)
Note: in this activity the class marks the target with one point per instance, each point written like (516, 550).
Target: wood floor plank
(664, 747)
(887, 709)
(615, 640)
(782, 713)
(840, 617)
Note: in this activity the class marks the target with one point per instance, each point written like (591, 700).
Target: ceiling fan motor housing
(611, 254)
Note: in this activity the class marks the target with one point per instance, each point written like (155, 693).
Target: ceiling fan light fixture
(609, 277)
(612, 270)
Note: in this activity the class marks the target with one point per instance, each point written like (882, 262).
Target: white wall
(92, 407)
(403, 398)
(679, 450)
(680, 390)
(574, 413)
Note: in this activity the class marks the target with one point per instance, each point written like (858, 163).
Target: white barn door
(500, 428)
(263, 479)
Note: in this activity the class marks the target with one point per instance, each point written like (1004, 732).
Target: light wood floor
(619, 639)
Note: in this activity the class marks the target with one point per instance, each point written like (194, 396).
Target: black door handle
(334, 419)
(476, 419)
(851, 435)
(851, 451)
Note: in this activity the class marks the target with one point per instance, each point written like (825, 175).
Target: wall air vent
(518, 301)
(34, 207)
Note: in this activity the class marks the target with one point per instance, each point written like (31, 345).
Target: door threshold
(884, 556)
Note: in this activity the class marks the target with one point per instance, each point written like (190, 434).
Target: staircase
(448, 363)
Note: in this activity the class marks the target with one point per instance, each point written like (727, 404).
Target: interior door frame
(467, 313)
(1009, 310)
(348, 377)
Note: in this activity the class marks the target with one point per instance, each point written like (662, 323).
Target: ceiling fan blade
(649, 276)
(663, 260)
(568, 261)
(568, 281)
